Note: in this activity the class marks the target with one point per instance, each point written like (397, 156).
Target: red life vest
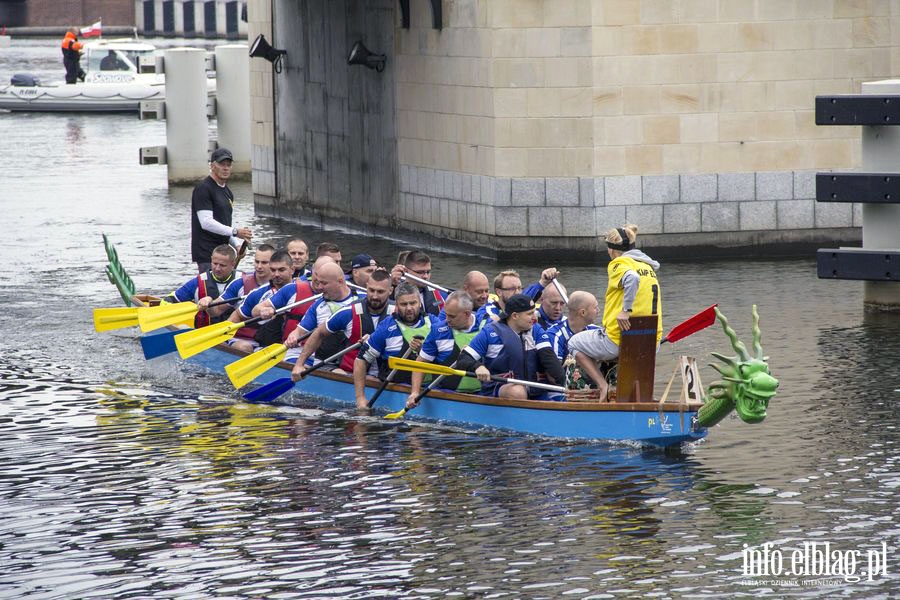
(250, 284)
(433, 301)
(295, 315)
(202, 319)
(361, 324)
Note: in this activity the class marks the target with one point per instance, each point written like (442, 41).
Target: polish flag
(91, 30)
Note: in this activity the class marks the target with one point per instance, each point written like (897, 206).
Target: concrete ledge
(587, 249)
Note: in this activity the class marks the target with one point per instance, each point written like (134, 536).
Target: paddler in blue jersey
(516, 347)
(361, 268)
(299, 252)
(418, 263)
(209, 285)
(352, 322)
(335, 295)
(404, 329)
(583, 311)
(477, 286)
(633, 289)
(446, 340)
(241, 288)
(506, 285)
(268, 331)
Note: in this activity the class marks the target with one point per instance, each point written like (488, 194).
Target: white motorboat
(113, 82)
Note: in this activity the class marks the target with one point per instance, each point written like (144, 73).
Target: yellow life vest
(647, 301)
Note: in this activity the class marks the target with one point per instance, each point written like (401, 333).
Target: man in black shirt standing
(211, 207)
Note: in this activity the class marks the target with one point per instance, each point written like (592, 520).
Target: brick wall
(79, 13)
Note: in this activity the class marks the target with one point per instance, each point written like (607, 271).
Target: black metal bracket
(437, 14)
(404, 13)
(858, 109)
(870, 188)
(866, 265)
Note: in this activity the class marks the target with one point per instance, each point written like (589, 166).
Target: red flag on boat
(91, 30)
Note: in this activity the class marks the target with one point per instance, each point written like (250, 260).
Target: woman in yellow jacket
(633, 289)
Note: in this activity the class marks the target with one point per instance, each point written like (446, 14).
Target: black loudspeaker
(261, 48)
(360, 55)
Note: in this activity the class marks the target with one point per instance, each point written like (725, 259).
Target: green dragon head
(746, 380)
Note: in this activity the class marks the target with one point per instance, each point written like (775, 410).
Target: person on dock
(299, 252)
(329, 280)
(445, 341)
(211, 208)
(393, 337)
(515, 346)
(267, 331)
(209, 285)
(633, 289)
(418, 263)
(241, 287)
(361, 268)
(349, 324)
(71, 51)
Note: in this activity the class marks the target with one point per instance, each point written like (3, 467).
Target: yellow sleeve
(615, 271)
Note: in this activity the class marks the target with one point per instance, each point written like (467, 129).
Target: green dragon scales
(747, 385)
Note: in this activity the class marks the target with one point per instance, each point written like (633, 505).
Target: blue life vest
(516, 357)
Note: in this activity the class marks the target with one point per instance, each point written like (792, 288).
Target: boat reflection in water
(114, 82)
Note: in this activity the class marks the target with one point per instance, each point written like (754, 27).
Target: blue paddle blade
(270, 391)
(159, 344)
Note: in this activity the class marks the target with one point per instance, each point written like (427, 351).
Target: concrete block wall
(444, 89)
(262, 132)
(571, 88)
(541, 123)
(685, 117)
(529, 212)
(717, 86)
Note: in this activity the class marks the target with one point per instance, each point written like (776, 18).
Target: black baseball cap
(517, 303)
(220, 154)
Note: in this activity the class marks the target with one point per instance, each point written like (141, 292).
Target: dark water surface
(121, 478)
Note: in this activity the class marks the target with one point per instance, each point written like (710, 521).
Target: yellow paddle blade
(198, 340)
(189, 321)
(106, 319)
(243, 371)
(154, 317)
(397, 415)
(422, 367)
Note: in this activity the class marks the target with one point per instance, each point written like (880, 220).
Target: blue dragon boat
(668, 423)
